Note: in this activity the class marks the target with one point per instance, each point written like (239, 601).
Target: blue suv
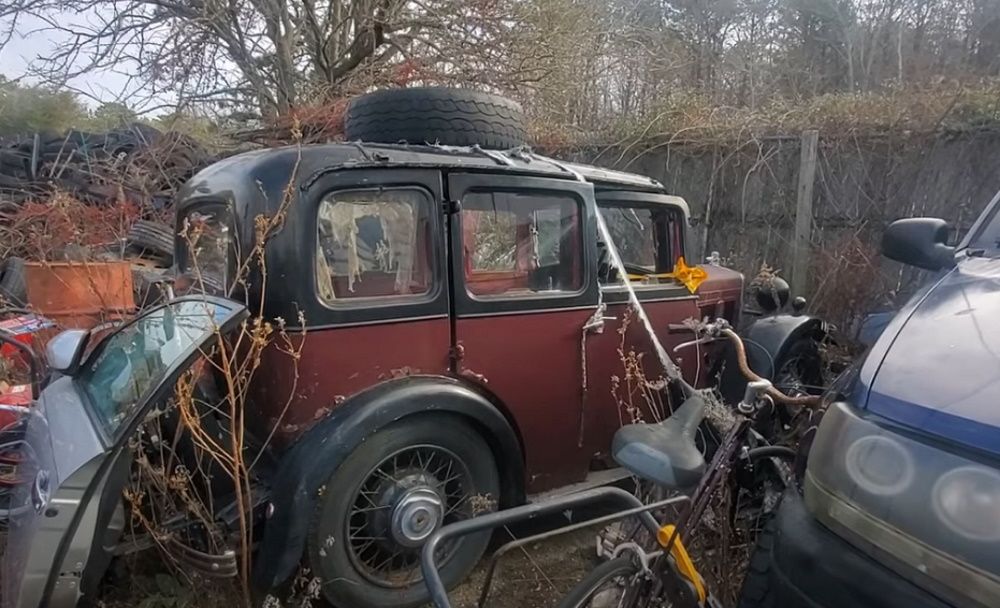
(901, 493)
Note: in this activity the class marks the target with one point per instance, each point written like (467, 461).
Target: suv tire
(436, 115)
(359, 518)
(756, 591)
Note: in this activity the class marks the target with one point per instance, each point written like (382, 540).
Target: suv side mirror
(920, 242)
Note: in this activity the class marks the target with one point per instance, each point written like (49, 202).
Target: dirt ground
(535, 576)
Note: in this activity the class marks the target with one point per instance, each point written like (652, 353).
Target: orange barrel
(80, 295)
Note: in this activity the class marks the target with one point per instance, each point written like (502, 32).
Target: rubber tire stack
(13, 290)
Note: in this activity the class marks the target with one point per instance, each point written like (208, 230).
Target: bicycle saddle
(665, 452)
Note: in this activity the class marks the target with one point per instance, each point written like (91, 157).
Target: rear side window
(518, 243)
(373, 244)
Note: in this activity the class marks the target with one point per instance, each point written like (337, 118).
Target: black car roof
(318, 158)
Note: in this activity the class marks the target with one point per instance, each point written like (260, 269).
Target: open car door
(76, 454)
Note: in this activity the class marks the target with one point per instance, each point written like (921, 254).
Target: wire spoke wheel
(401, 502)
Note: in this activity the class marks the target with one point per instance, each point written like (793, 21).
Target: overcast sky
(27, 45)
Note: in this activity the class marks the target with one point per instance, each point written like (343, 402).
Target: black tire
(346, 541)
(756, 590)
(12, 284)
(607, 576)
(152, 237)
(429, 115)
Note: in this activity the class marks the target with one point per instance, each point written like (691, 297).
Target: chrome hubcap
(416, 516)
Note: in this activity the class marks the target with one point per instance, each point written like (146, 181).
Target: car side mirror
(64, 351)
(920, 242)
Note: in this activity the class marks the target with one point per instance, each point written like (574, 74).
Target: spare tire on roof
(436, 115)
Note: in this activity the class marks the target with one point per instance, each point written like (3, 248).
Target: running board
(595, 479)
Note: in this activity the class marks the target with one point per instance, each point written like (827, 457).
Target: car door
(648, 230)
(77, 454)
(522, 254)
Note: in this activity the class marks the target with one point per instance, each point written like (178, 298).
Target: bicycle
(13, 446)
(664, 454)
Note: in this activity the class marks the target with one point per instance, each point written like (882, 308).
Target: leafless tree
(272, 54)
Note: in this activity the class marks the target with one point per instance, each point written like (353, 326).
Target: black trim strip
(393, 321)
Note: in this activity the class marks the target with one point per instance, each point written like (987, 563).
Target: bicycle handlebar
(751, 376)
(721, 329)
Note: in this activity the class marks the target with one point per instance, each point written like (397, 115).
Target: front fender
(306, 466)
(767, 340)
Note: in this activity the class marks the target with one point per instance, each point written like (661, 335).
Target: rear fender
(316, 455)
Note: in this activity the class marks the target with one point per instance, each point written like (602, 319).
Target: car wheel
(379, 507)
(436, 115)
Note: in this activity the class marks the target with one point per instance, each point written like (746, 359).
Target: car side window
(648, 238)
(521, 243)
(373, 244)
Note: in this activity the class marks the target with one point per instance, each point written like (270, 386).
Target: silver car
(68, 517)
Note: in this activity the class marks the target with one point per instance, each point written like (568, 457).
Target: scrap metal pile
(91, 197)
(137, 162)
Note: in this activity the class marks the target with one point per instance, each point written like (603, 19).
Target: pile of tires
(138, 160)
(13, 291)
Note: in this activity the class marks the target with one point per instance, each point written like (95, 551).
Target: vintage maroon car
(463, 336)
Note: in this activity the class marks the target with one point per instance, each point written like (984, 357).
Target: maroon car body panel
(337, 363)
(531, 363)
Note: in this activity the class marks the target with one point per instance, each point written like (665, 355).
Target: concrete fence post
(801, 242)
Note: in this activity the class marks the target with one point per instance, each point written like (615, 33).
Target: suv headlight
(930, 514)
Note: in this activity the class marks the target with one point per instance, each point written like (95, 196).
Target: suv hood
(936, 367)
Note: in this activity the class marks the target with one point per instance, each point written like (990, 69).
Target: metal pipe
(428, 562)
(520, 542)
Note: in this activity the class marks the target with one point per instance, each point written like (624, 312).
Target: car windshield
(132, 362)
(988, 236)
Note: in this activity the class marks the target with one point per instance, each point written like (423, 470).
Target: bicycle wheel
(613, 584)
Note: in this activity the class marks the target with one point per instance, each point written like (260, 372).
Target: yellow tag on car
(690, 276)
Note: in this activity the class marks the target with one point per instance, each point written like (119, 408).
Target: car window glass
(209, 241)
(373, 244)
(634, 232)
(988, 236)
(130, 363)
(649, 240)
(521, 243)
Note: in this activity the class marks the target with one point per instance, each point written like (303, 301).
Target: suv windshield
(988, 236)
(128, 365)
